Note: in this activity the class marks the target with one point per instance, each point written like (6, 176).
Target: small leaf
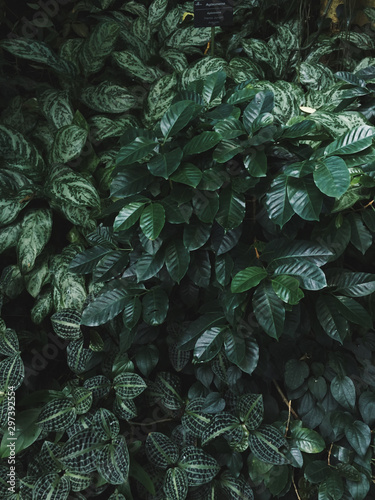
(307, 440)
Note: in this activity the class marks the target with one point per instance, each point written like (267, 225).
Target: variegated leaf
(99, 385)
(124, 409)
(161, 450)
(190, 36)
(20, 154)
(9, 236)
(55, 106)
(78, 357)
(82, 400)
(35, 233)
(42, 307)
(156, 13)
(250, 410)
(38, 277)
(9, 344)
(128, 385)
(80, 452)
(265, 443)
(194, 419)
(175, 484)
(159, 98)
(97, 46)
(226, 425)
(57, 415)
(67, 324)
(108, 98)
(52, 487)
(67, 186)
(12, 372)
(113, 461)
(169, 386)
(200, 467)
(36, 51)
(130, 63)
(236, 487)
(105, 424)
(68, 143)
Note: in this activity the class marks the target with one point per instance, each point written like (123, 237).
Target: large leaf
(358, 139)
(201, 143)
(352, 284)
(242, 350)
(343, 390)
(269, 310)
(359, 436)
(152, 220)
(113, 461)
(105, 307)
(305, 198)
(231, 209)
(248, 278)
(155, 306)
(287, 289)
(307, 440)
(177, 259)
(331, 319)
(136, 150)
(164, 164)
(177, 117)
(277, 203)
(310, 276)
(331, 176)
(262, 103)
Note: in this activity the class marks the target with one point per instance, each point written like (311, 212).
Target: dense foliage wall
(186, 237)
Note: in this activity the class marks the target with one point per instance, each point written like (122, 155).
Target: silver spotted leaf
(51, 487)
(113, 461)
(161, 450)
(250, 410)
(67, 324)
(48, 457)
(199, 466)
(175, 484)
(178, 358)
(129, 385)
(42, 307)
(265, 443)
(82, 399)
(35, 233)
(194, 420)
(226, 425)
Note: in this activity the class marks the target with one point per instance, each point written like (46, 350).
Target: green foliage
(196, 226)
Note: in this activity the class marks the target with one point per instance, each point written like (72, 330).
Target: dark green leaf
(269, 310)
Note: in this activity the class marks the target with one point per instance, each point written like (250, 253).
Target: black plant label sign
(213, 13)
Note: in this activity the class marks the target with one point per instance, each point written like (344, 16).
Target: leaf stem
(288, 404)
(146, 424)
